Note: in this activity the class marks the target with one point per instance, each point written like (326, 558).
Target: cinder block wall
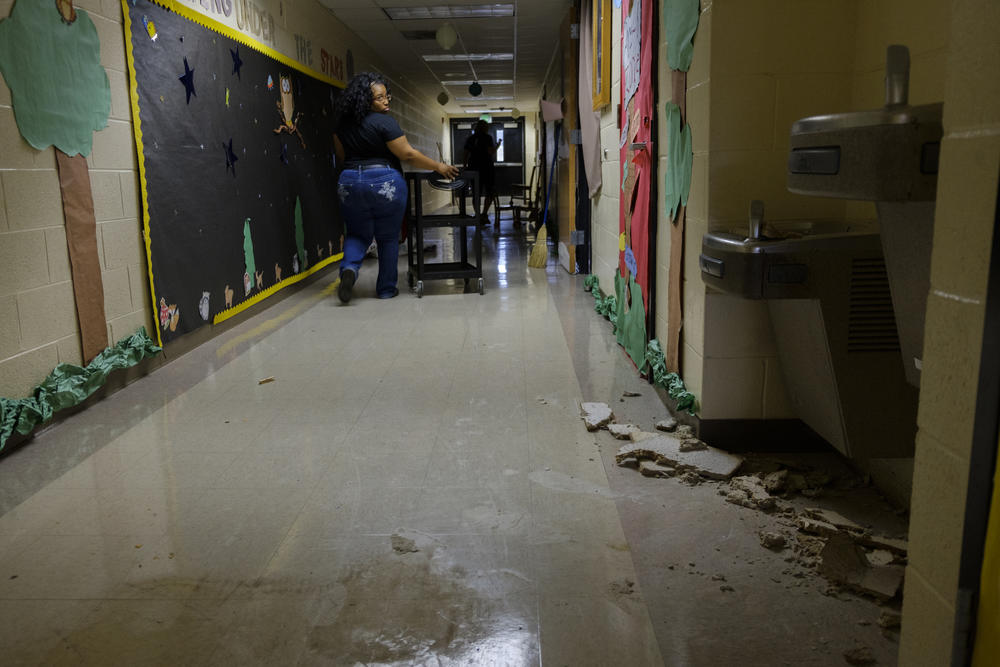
(698, 100)
(38, 323)
(771, 63)
(604, 211)
(922, 26)
(963, 233)
(37, 308)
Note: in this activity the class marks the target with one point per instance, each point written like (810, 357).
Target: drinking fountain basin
(786, 258)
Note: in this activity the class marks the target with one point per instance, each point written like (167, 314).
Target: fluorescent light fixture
(448, 12)
(489, 111)
(485, 98)
(451, 57)
(482, 82)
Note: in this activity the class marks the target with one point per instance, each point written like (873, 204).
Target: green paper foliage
(70, 385)
(670, 381)
(251, 266)
(680, 22)
(58, 88)
(677, 179)
(654, 356)
(631, 331)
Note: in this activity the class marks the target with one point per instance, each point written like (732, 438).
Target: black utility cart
(465, 190)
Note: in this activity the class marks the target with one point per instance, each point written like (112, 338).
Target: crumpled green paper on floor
(654, 356)
(677, 180)
(669, 381)
(680, 22)
(631, 331)
(58, 88)
(70, 385)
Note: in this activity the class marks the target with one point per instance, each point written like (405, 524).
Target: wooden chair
(525, 199)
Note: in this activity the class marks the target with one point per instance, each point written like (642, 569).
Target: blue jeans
(372, 204)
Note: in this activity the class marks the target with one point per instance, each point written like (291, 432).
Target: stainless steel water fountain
(888, 156)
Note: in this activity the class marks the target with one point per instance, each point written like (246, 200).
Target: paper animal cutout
(286, 110)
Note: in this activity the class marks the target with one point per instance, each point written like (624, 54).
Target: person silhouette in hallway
(480, 155)
(369, 145)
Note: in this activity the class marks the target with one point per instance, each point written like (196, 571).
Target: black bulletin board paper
(233, 210)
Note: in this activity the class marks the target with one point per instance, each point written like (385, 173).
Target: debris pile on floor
(670, 451)
(848, 555)
(596, 415)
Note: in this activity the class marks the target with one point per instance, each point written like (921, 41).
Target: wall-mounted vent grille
(871, 323)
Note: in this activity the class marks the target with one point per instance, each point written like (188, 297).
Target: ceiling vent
(418, 34)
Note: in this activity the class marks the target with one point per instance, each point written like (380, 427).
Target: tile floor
(414, 487)
(231, 522)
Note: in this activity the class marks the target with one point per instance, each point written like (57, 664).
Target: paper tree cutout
(677, 178)
(249, 263)
(680, 21)
(58, 88)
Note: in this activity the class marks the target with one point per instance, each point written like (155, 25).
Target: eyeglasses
(387, 97)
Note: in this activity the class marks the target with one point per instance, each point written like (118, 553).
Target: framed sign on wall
(601, 24)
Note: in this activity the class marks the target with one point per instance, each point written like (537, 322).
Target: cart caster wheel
(482, 287)
(420, 289)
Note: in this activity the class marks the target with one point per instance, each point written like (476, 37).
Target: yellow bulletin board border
(235, 35)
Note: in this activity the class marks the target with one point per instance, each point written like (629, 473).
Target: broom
(540, 251)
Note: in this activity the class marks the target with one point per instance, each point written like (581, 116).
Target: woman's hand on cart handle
(446, 170)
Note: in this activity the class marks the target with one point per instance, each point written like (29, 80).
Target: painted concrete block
(57, 254)
(953, 333)
(105, 187)
(114, 147)
(126, 325)
(130, 193)
(46, 314)
(940, 480)
(733, 389)
(23, 262)
(112, 42)
(138, 279)
(117, 292)
(121, 108)
(10, 334)
(15, 152)
(33, 199)
(122, 243)
(70, 351)
(20, 374)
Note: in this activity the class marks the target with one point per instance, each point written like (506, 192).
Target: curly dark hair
(355, 102)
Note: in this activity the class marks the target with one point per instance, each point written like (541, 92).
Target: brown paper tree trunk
(81, 238)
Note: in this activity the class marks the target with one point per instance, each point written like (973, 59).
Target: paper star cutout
(230, 157)
(188, 80)
(237, 61)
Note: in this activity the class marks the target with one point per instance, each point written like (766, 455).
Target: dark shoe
(347, 279)
(394, 292)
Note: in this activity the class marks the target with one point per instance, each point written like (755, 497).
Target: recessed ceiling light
(449, 57)
(482, 82)
(448, 12)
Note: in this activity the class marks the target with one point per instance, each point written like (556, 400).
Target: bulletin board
(632, 281)
(236, 164)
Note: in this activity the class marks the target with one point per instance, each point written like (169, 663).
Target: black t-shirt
(366, 141)
(481, 149)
